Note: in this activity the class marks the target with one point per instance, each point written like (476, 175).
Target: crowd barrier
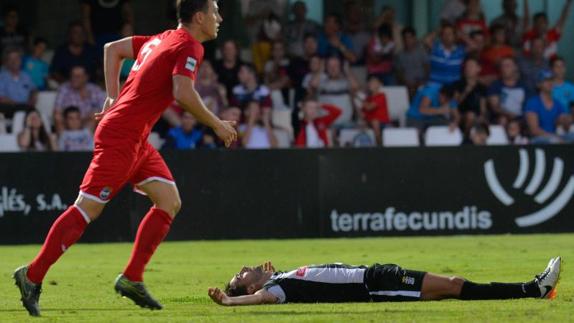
(312, 193)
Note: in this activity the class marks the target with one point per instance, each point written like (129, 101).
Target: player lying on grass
(337, 283)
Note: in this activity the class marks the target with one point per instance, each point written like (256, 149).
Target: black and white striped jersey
(330, 283)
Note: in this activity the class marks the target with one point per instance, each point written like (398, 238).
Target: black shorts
(391, 283)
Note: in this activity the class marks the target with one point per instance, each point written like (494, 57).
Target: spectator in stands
(250, 90)
(452, 10)
(446, 56)
(545, 115)
(494, 54)
(475, 43)
(514, 132)
(432, 106)
(472, 20)
(479, 134)
(506, 97)
(412, 63)
(16, 86)
(257, 133)
(299, 66)
(550, 35)
(227, 68)
(375, 110)
(532, 63)
(388, 17)
(333, 42)
(75, 52)
(277, 71)
(298, 29)
(336, 86)
(513, 25)
(187, 136)
(563, 91)
(212, 92)
(35, 66)
(103, 20)
(78, 92)
(356, 28)
(470, 95)
(270, 31)
(34, 136)
(380, 55)
(75, 137)
(13, 34)
(314, 128)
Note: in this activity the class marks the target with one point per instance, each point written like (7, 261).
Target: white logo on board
(541, 192)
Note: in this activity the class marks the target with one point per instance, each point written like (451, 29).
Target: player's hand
(268, 267)
(226, 132)
(218, 296)
(107, 104)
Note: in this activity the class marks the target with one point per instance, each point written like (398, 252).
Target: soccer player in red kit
(165, 69)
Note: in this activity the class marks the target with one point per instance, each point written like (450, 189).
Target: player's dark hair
(409, 31)
(40, 40)
(447, 25)
(541, 15)
(186, 9)
(309, 35)
(496, 28)
(555, 60)
(235, 291)
(335, 16)
(9, 9)
(71, 109)
(385, 30)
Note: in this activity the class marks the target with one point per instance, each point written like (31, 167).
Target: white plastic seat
(497, 136)
(18, 122)
(401, 137)
(155, 140)
(347, 136)
(9, 143)
(281, 118)
(442, 136)
(45, 105)
(397, 102)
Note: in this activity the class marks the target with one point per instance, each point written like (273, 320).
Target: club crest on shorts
(191, 64)
(105, 193)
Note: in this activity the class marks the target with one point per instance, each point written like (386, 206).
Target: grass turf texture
(80, 286)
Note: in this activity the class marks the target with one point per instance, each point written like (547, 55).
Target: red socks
(152, 230)
(67, 229)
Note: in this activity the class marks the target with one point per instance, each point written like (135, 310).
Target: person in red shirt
(314, 131)
(165, 69)
(491, 57)
(552, 35)
(375, 109)
(472, 20)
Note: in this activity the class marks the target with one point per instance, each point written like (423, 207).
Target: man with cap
(544, 114)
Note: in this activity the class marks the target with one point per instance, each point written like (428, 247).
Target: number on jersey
(145, 52)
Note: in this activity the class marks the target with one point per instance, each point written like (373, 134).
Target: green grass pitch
(80, 287)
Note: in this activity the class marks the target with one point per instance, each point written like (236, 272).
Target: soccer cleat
(137, 292)
(29, 291)
(548, 279)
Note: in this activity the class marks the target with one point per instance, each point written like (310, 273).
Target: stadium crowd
(303, 84)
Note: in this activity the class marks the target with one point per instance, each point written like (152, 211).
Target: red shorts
(114, 166)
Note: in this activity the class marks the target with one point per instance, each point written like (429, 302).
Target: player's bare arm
(260, 297)
(114, 54)
(187, 97)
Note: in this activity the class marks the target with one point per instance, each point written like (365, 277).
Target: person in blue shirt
(544, 114)
(16, 86)
(507, 95)
(35, 66)
(446, 56)
(187, 136)
(432, 106)
(332, 41)
(563, 91)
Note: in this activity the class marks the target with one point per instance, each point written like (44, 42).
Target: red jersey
(149, 88)
(552, 38)
(380, 112)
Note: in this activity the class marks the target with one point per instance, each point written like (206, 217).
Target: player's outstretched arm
(260, 297)
(187, 97)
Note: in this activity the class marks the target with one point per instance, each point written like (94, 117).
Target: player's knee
(91, 208)
(176, 205)
(456, 284)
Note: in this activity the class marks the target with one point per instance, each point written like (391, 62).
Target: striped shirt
(446, 65)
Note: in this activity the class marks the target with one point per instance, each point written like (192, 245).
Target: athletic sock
(65, 231)
(474, 291)
(152, 230)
